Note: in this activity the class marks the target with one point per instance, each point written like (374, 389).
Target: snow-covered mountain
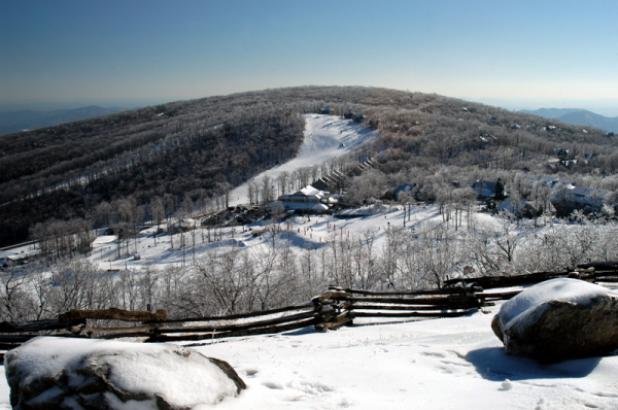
(453, 363)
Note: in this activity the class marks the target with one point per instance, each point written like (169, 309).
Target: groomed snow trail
(325, 137)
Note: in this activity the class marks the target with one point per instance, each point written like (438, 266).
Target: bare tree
(158, 214)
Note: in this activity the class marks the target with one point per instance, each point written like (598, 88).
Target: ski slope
(325, 137)
(452, 364)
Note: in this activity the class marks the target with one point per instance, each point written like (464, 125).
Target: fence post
(331, 309)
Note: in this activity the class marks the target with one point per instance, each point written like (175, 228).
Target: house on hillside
(307, 200)
(400, 192)
(355, 116)
(320, 184)
(519, 208)
(563, 153)
(568, 198)
(489, 190)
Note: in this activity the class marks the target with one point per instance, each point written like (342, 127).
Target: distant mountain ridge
(577, 116)
(20, 120)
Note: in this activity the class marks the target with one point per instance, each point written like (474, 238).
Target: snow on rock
(560, 289)
(50, 372)
(559, 318)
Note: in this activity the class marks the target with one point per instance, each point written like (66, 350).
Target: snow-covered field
(434, 364)
(325, 137)
(300, 232)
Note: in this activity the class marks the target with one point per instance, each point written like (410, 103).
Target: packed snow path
(325, 137)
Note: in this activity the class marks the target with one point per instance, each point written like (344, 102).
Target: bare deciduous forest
(162, 164)
(201, 148)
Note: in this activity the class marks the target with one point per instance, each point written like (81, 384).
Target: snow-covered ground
(453, 363)
(325, 137)
(19, 251)
(300, 232)
(435, 364)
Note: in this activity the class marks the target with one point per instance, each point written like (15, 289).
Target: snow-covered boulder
(54, 373)
(559, 319)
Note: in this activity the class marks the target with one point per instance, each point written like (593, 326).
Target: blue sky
(115, 52)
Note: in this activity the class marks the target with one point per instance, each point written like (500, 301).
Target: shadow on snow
(492, 363)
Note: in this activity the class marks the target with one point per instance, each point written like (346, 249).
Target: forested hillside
(173, 150)
(191, 151)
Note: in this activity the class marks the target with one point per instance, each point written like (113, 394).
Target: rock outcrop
(59, 373)
(559, 319)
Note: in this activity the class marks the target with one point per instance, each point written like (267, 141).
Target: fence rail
(328, 311)
(593, 272)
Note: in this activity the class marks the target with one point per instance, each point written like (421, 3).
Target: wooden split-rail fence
(329, 311)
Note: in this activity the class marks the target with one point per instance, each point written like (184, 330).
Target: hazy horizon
(609, 109)
(519, 56)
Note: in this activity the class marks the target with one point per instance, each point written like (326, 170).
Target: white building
(308, 199)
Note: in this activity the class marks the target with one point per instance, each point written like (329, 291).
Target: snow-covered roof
(309, 190)
(104, 239)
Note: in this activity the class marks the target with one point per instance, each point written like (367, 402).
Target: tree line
(238, 279)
